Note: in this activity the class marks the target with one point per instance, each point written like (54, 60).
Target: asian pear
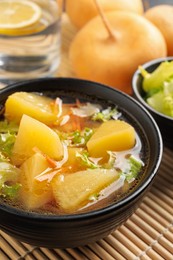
(96, 55)
(81, 11)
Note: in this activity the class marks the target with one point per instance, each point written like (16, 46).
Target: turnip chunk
(31, 134)
(113, 135)
(72, 191)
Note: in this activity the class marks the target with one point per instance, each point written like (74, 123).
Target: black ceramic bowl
(80, 229)
(164, 122)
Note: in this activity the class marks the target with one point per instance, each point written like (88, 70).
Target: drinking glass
(30, 48)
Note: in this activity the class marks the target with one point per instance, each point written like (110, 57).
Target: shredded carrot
(51, 162)
(75, 123)
(55, 166)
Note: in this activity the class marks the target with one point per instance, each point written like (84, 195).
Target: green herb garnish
(87, 161)
(77, 138)
(105, 115)
(7, 138)
(135, 167)
(7, 142)
(10, 191)
(9, 176)
(81, 138)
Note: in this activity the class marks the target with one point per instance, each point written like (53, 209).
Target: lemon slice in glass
(18, 14)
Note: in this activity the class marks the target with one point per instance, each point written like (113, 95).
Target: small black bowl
(164, 122)
(80, 229)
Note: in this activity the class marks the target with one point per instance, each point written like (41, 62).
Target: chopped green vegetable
(77, 138)
(156, 79)
(135, 167)
(156, 101)
(87, 160)
(81, 138)
(168, 105)
(158, 86)
(105, 115)
(168, 99)
(9, 176)
(163, 100)
(10, 192)
(144, 72)
(7, 142)
(7, 138)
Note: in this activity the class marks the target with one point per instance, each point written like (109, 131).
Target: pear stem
(105, 20)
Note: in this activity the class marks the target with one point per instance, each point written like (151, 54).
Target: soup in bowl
(76, 159)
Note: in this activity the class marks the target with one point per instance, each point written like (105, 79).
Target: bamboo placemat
(148, 234)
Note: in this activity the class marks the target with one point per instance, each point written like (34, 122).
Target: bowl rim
(112, 207)
(135, 89)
